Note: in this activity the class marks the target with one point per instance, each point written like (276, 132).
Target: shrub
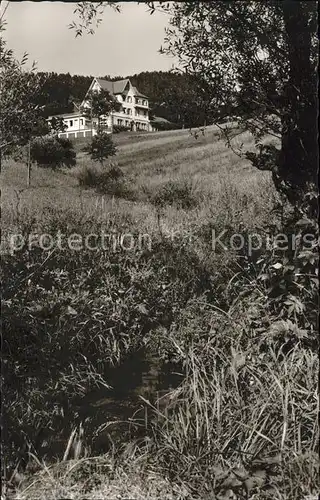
(120, 128)
(177, 193)
(88, 176)
(100, 147)
(53, 152)
(105, 181)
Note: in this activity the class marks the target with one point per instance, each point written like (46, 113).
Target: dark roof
(138, 94)
(118, 87)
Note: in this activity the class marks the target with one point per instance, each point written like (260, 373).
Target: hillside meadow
(161, 365)
(216, 176)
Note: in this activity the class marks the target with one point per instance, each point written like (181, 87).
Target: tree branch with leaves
(262, 58)
(21, 116)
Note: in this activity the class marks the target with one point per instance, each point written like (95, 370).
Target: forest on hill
(179, 98)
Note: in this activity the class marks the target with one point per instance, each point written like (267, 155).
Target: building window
(71, 123)
(124, 110)
(129, 99)
(81, 121)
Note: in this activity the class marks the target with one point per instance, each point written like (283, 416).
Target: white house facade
(77, 125)
(133, 114)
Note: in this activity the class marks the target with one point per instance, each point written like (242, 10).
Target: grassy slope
(228, 188)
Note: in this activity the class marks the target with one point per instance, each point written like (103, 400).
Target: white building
(134, 112)
(77, 125)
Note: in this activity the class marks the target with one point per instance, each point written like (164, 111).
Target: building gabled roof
(117, 87)
(138, 94)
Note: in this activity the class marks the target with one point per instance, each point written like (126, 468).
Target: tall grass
(244, 418)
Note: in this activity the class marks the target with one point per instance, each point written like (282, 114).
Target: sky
(123, 44)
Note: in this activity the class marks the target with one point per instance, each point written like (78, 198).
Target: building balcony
(140, 105)
(141, 117)
(123, 113)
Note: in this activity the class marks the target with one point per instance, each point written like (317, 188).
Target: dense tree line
(177, 97)
(60, 91)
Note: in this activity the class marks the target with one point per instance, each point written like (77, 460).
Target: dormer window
(129, 98)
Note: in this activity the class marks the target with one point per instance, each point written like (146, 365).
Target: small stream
(114, 416)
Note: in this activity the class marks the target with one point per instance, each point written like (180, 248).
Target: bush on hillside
(180, 194)
(104, 180)
(53, 152)
(100, 147)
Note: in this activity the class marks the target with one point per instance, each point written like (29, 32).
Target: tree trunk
(299, 154)
(29, 164)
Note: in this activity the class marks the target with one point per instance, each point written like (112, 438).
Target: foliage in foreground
(244, 417)
(70, 316)
(243, 422)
